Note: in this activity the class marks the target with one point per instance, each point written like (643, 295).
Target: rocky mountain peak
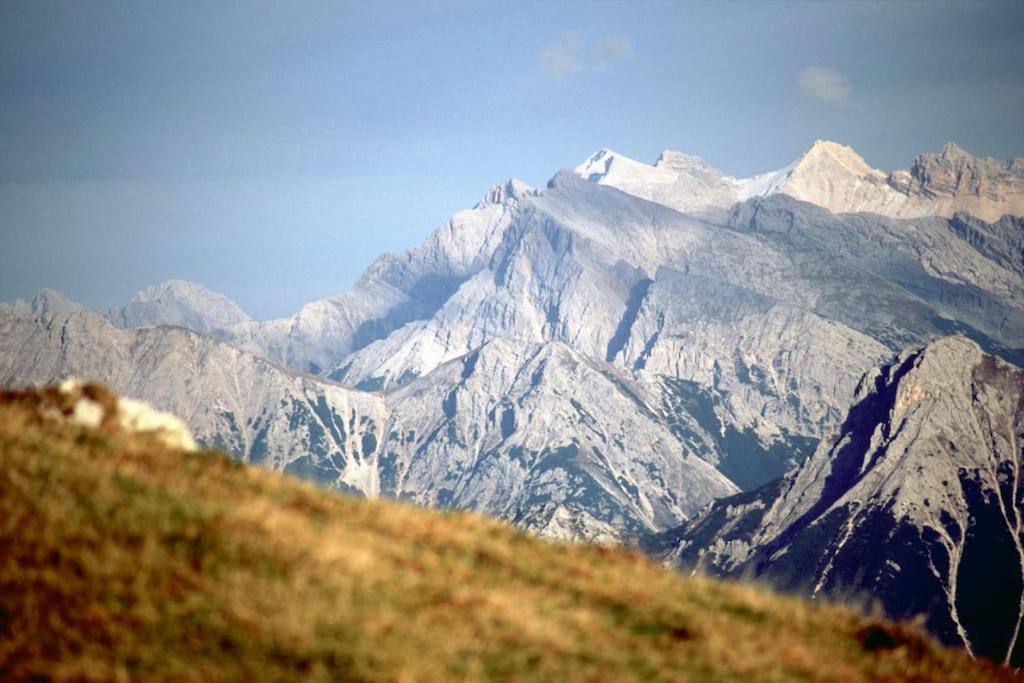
(505, 192)
(831, 175)
(171, 288)
(984, 187)
(826, 156)
(948, 358)
(51, 301)
(608, 167)
(182, 303)
(681, 162)
(951, 151)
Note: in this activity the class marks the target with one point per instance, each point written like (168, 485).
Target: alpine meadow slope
(150, 563)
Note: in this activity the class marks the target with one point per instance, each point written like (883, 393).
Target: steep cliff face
(916, 503)
(943, 184)
(955, 181)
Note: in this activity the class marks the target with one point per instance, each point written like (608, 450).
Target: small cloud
(614, 47)
(824, 84)
(563, 58)
(570, 56)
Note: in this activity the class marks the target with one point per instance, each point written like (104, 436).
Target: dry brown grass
(121, 560)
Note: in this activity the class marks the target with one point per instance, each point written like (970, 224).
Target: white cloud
(824, 84)
(563, 58)
(568, 56)
(614, 47)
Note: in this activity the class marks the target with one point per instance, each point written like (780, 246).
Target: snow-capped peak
(608, 167)
(596, 165)
(828, 174)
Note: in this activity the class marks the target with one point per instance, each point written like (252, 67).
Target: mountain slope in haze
(560, 444)
(916, 503)
(232, 399)
(152, 564)
(395, 289)
(830, 175)
(45, 301)
(181, 303)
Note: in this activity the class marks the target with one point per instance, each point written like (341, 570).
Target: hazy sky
(270, 150)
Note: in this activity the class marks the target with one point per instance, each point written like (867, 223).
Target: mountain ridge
(831, 175)
(925, 473)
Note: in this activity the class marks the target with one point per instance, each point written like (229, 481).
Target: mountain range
(606, 357)
(830, 175)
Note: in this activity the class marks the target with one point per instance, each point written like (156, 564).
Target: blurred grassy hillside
(123, 560)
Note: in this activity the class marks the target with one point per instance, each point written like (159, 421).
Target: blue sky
(270, 150)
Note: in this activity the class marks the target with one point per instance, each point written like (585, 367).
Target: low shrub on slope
(123, 559)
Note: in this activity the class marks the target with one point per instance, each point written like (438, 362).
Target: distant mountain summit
(682, 182)
(181, 303)
(46, 300)
(830, 175)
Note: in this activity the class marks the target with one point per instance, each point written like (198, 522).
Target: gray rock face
(556, 442)
(46, 301)
(916, 502)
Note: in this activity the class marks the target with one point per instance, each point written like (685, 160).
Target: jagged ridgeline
(601, 359)
(124, 558)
